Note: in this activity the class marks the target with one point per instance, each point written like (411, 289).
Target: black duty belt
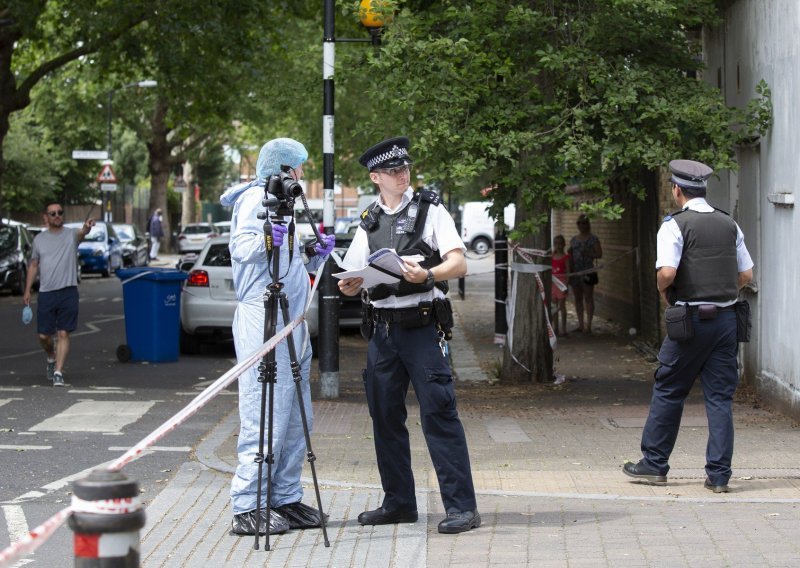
(731, 308)
(397, 315)
(710, 311)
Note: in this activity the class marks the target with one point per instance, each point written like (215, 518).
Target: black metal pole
(500, 286)
(328, 341)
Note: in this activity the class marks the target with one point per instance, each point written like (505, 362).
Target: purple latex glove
(326, 246)
(278, 232)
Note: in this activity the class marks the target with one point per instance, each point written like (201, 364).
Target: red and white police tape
(35, 538)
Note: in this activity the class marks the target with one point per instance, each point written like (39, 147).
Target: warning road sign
(106, 175)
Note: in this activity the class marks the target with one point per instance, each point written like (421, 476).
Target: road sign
(108, 187)
(106, 175)
(89, 155)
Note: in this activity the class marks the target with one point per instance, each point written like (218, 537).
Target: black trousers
(395, 358)
(711, 355)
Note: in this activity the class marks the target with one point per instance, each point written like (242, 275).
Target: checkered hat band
(395, 152)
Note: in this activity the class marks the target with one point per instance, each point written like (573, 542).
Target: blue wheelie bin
(152, 300)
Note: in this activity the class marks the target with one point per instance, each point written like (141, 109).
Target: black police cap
(390, 153)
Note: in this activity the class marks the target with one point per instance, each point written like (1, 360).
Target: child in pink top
(560, 263)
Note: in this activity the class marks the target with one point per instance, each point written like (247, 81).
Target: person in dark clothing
(702, 263)
(408, 323)
(156, 228)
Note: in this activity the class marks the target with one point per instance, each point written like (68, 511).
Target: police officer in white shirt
(408, 324)
(702, 264)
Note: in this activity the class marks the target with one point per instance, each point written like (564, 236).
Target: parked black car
(135, 245)
(16, 245)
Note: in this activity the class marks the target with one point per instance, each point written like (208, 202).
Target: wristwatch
(429, 280)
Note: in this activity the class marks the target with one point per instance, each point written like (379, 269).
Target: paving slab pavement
(546, 461)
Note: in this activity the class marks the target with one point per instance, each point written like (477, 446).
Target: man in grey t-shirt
(54, 258)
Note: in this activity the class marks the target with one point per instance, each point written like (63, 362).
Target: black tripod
(274, 299)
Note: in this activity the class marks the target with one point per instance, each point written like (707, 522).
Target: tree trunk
(528, 331)
(160, 165)
(189, 212)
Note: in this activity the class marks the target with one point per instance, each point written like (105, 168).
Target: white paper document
(384, 266)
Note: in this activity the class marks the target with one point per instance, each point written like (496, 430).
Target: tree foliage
(529, 97)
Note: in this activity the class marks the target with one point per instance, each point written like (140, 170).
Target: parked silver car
(209, 299)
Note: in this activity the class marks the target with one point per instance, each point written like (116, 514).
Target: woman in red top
(558, 295)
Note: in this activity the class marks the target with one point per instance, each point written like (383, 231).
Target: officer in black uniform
(408, 324)
(702, 263)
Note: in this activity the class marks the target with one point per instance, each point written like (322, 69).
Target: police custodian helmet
(390, 153)
(689, 174)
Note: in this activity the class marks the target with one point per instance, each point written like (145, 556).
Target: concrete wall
(760, 39)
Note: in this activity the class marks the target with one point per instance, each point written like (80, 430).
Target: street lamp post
(328, 290)
(142, 84)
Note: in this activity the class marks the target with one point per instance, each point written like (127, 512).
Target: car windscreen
(96, 235)
(196, 230)
(124, 232)
(218, 255)
(8, 238)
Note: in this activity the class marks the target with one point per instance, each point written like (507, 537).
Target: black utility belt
(678, 319)
(413, 316)
(709, 311)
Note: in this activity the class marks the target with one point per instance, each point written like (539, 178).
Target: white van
(477, 227)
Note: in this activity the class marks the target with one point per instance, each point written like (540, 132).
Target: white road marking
(195, 393)
(95, 391)
(64, 481)
(153, 448)
(95, 416)
(92, 325)
(4, 401)
(21, 448)
(27, 497)
(16, 522)
(11, 389)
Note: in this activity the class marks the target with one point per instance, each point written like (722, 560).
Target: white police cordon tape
(38, 536)
(118, 506)
(34, 539)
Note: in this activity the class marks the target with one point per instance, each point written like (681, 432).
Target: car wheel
(19, 289)
(189, 344)
(481, 245)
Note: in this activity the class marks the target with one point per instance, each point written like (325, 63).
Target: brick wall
(626, 293)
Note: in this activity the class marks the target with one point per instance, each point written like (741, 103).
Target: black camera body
(285, 190)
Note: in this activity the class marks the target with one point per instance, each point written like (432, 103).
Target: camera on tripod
(285, 190)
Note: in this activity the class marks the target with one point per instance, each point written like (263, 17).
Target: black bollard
(106, 521)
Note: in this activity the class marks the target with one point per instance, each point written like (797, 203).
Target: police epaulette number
(430, 196)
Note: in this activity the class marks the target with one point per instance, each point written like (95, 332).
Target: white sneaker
(58, 379)
(51, 369)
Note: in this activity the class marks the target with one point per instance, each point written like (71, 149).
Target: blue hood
(232, 194)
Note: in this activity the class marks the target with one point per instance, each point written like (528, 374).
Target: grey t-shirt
(57, 256)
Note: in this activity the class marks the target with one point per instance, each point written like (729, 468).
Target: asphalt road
(50, 436)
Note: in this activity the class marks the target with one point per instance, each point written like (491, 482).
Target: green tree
(38, 37)
(529, 97)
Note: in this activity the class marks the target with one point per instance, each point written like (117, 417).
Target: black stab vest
(708, 270)
(390, 231)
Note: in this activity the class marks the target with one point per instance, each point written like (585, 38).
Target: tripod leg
(284, 303)
(268, 374)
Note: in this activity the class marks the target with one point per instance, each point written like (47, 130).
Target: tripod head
(280, 193)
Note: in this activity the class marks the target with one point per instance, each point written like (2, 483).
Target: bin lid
(150, 273)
